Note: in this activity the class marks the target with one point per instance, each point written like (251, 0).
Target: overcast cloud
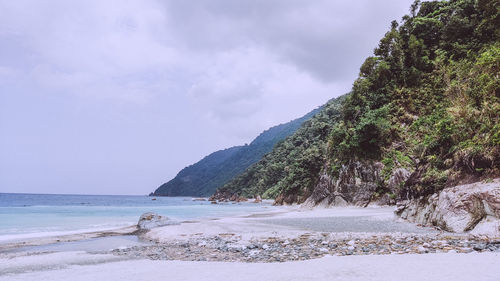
(115, 97)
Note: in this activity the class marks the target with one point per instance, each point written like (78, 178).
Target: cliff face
(356, 184)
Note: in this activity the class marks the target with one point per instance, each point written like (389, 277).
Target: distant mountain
(218, 168)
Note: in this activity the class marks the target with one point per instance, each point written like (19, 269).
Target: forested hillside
(423, 114)
(293, 163)
(213, 171)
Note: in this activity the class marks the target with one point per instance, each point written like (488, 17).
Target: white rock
(421, 249)
(253, 253)
(323, 250)
(458, 209)
(150, 220)
(489, 226)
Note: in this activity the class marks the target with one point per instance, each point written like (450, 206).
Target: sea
(39, 215)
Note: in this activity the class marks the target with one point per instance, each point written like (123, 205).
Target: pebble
(275, 249)
(421, 249)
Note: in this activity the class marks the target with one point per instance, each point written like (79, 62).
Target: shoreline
(43, 238)
(277, 224)
(284, 238)
(291, 236)
(7, 245)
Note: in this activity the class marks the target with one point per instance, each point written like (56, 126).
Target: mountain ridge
(214, 170)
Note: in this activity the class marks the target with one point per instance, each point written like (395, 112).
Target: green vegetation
(427, 101)
(213, 171)
(294, 163)
(435, 80)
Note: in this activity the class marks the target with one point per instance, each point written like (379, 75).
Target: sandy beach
(287, 244)
(483, 266)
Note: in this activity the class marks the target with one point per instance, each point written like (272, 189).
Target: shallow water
(89, 245)
(24, 216)
(350, 224)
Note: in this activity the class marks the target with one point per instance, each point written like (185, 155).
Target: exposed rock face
(471, 207)
(323, 192)
(398, 178)
(356, 183)
(149, 221)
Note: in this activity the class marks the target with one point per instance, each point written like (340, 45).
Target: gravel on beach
(230, 247)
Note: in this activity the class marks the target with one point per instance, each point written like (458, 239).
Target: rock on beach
(150, 220)
(471, 207)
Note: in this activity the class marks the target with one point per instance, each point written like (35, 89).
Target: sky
(115, 97)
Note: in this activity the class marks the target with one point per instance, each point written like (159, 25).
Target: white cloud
(91, 47)
(248, 89)
(159, 82)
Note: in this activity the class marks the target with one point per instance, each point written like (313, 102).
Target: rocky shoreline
(231, 248)
(233, 245)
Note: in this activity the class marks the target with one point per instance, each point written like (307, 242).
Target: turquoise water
(36, 215)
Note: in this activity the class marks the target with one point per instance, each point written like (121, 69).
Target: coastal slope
(213, 171)
(423, 115)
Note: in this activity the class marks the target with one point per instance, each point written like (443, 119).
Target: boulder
(258, 199)
(471, 207)
(150, 220)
